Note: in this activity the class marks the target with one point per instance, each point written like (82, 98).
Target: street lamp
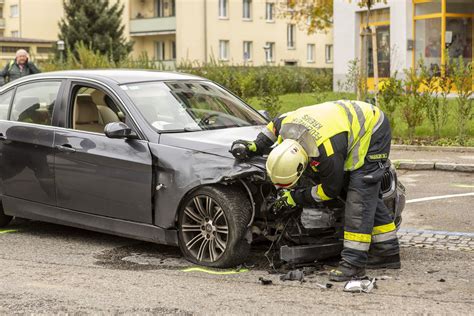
(61, 46)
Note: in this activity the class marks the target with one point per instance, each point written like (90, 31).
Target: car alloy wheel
(212, 226)
(205, 229)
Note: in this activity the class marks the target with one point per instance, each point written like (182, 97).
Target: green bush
(461, 74)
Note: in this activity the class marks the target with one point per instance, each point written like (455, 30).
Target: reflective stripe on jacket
(323, 121)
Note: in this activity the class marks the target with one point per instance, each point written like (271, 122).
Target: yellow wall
(191, 36)
(38, 18)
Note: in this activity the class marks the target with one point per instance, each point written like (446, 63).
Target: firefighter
(335, 139)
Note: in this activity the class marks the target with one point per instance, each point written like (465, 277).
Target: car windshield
(182, 106)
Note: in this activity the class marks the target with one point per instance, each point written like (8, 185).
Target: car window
(34, 102)
(92, 109)
(5, 100)
(190, 106)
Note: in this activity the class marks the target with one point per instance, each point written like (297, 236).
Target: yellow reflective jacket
(325, 120)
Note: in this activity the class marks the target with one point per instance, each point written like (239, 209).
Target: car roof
(122, 76)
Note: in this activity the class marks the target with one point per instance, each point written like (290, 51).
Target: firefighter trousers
(368, 224)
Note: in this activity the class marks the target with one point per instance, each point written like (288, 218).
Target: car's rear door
(26, 141)
(96, 174)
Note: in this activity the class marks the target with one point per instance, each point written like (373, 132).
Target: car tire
(212, 225)
(4, 219)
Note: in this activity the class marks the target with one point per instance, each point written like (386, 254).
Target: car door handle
(66, 148)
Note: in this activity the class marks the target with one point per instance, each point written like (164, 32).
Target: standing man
(19, 67)
(332, 139)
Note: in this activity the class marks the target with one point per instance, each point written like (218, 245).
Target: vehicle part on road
(4, 219)
(264, 281)
(309, 253)
(359, 286)
(212, 226)
(325, 286)
(295, 275)
(217, 272)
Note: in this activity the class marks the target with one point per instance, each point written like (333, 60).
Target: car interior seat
(86, 115)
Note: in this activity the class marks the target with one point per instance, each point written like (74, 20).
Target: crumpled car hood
(216, 142)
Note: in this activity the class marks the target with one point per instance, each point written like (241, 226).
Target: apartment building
(248, 32)
(235, 31)
(28, 24)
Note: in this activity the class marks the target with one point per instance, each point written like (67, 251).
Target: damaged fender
(179, 171)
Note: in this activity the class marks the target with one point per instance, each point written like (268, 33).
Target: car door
(26, 141)
(96, 174)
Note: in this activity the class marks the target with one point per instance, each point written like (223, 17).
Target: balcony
(2, 22)
(153, 26)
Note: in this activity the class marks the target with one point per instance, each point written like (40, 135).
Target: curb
(433, 148)
(433, 165)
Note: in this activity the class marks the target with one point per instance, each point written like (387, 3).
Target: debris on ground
(441, 280)
(325, 286)
(432, 271)
(384, 277)
(359, 286)
(264, 281)
(294, 275)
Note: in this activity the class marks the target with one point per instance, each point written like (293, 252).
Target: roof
(122, 76)
(24, 40)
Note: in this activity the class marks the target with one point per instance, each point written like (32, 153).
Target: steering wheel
(206, 118)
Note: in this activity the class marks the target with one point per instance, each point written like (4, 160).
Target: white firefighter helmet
(286, 163)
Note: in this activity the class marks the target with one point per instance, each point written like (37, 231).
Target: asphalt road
(49, 268)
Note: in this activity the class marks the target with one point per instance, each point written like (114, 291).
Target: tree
(314, 15)
(97, 24)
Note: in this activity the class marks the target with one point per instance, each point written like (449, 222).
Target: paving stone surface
(435, 241)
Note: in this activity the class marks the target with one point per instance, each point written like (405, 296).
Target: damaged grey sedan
(146, 155)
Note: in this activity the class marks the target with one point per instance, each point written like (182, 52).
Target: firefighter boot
(345, 272)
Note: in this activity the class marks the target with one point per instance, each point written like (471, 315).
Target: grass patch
(292, 101)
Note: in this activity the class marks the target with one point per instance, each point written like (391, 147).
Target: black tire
(221, 247)
(4, 219)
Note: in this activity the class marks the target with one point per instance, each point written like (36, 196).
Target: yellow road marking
(6, 231)
(223, 272)
(463, 185)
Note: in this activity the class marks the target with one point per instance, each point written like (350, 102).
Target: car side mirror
(119, 130)
(265, 114)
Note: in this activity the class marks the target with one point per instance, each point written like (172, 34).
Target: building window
(13, 49)
(428, 42)
(269, 52)
(247, 9)
(310, 53)
(222, 8)
(15, 34)
(459, 38)
(382, 35)
(269, 11)
(224, 50)
(44, 50)
(290, 33)
(173, 50)
(14, 11)
(247, 51)
(328, 54)
(165, 8)
(160, 50)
